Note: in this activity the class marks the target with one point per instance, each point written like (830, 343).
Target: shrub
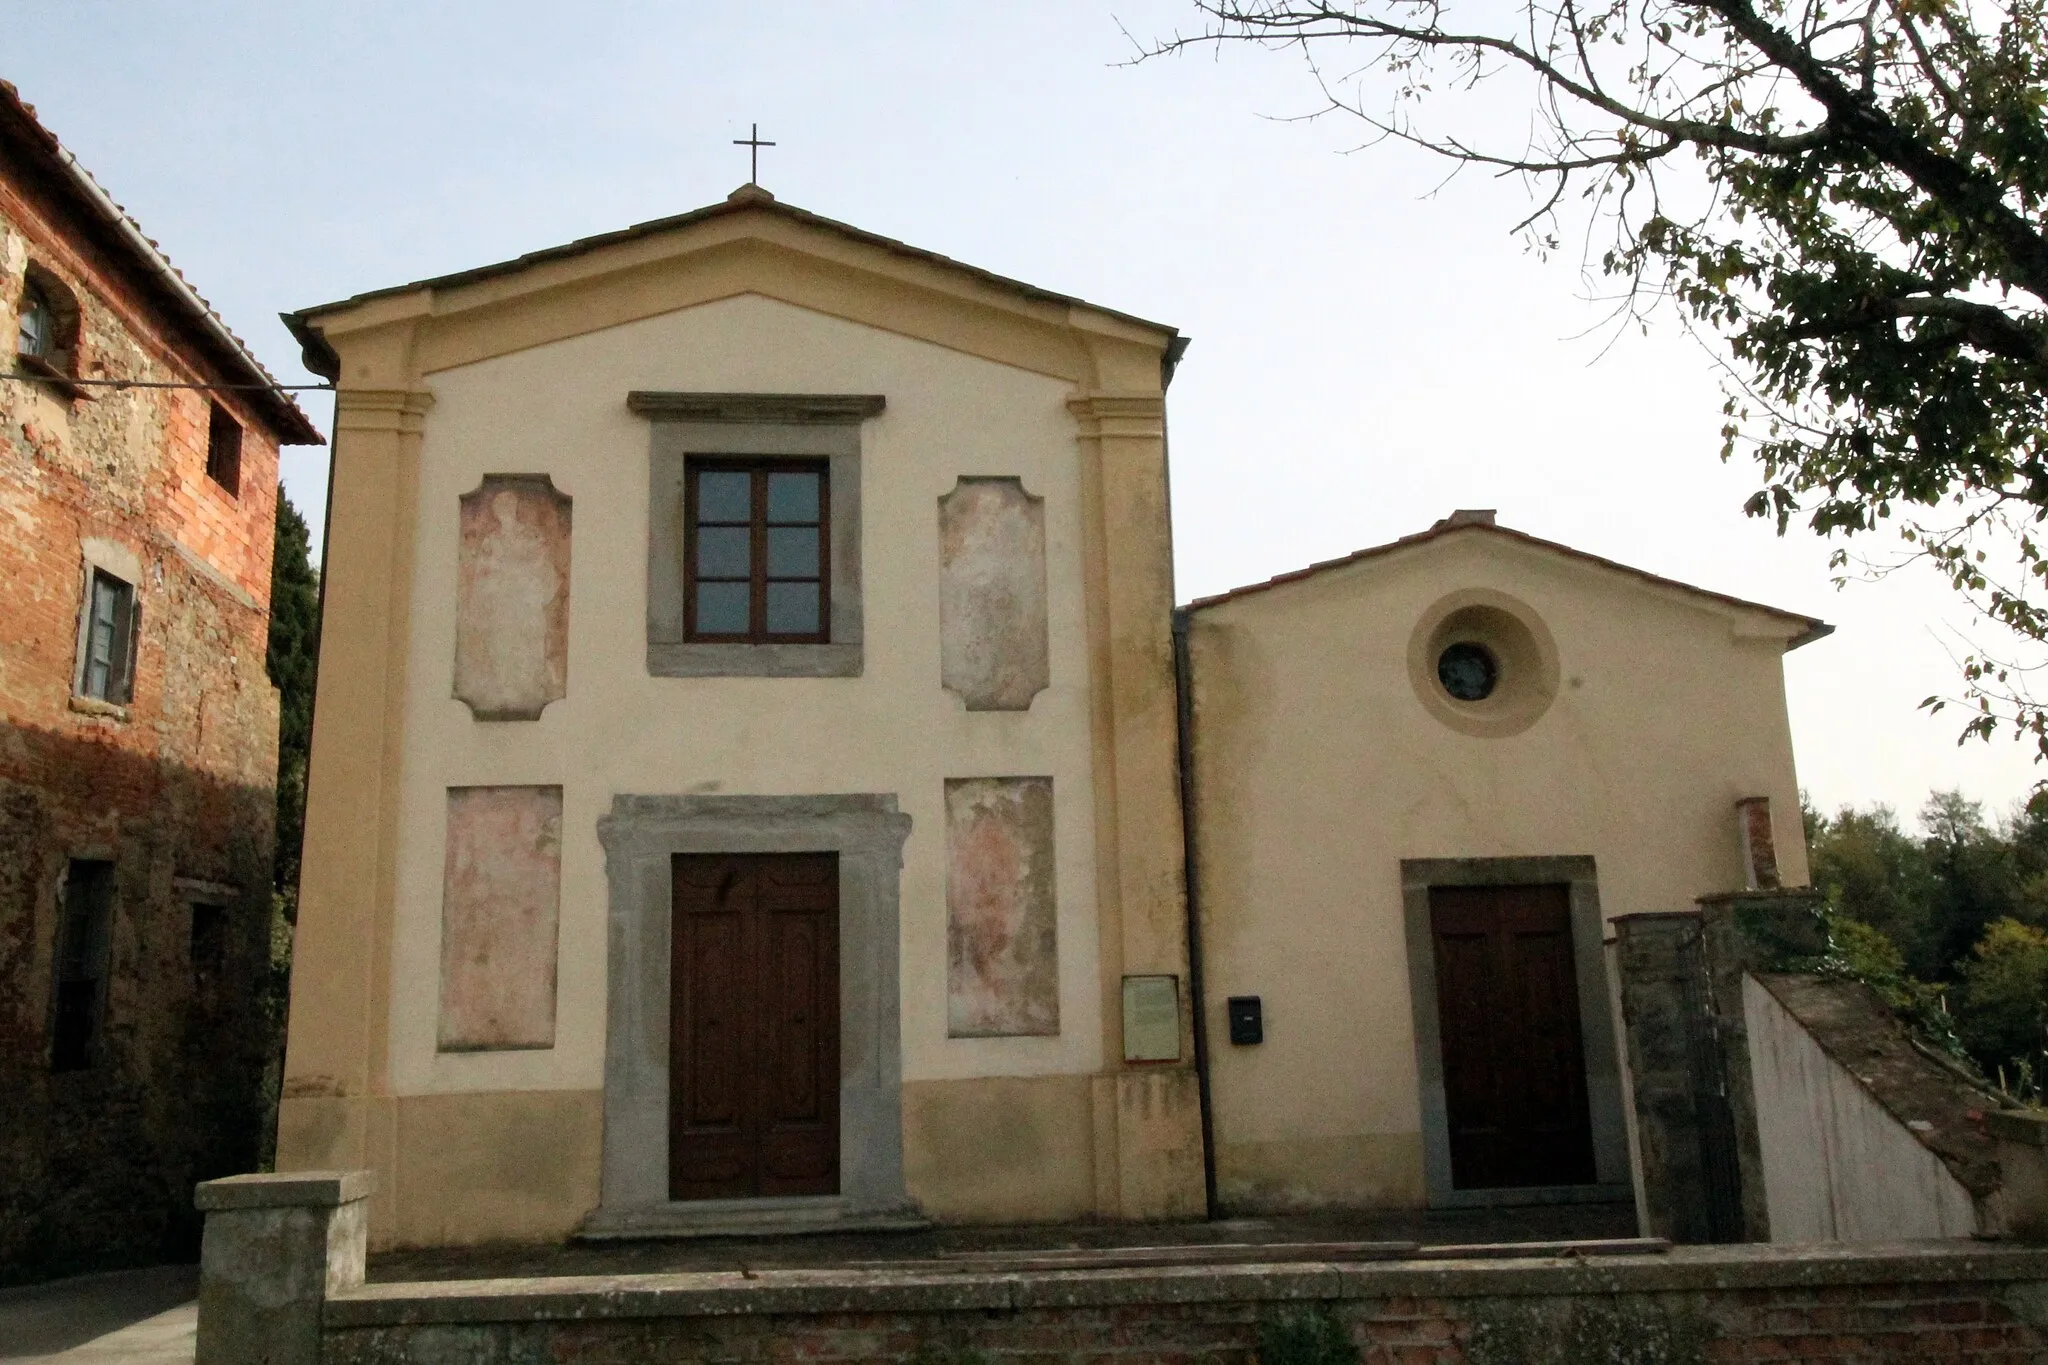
(2001, 1009)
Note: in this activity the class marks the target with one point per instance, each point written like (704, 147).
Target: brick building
(138, 728)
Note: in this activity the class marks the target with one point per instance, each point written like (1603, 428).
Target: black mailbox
(1247, 1024)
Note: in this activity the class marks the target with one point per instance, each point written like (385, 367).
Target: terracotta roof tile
(18, 117)
(1473, 523)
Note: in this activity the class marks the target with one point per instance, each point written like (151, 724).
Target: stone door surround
(640, 835)
(1596, 1026)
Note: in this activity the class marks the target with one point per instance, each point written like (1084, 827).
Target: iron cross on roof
(753, 143)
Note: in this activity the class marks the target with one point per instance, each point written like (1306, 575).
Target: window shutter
(127, 626)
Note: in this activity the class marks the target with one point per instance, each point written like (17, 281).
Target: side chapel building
(138, 727)
(747, 781)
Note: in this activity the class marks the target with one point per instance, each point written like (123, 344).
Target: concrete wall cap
(1782, 895)
(1686, 1269)
(2028, 1126)
(284, 1189)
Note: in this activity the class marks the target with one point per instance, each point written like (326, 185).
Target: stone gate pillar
(276, 1246)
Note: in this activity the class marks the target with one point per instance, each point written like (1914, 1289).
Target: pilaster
(1155, 1114)
(335, 1063)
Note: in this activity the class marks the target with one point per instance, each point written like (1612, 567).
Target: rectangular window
(755, 565)
(224, 450)
(106, 666)
(81, 964)
(209, 952)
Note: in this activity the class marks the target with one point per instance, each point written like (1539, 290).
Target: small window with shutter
(106, 662)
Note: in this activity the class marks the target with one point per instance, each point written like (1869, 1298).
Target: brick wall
(1946, 1302)
(176, 788)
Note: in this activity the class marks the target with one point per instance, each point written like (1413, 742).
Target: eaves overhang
(111, 228)
(1808, 628)
(322, 359)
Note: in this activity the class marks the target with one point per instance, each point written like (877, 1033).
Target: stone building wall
(174, 789)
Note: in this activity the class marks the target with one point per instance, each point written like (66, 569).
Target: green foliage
(1858, 952)
(1305, 1336)
(2001, 1010)
(1947, 929)
(291, 659)
(1933, 896)
(1849, 198)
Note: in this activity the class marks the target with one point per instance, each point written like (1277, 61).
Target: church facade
(1426, 777)
(747, 784)
(744, 790)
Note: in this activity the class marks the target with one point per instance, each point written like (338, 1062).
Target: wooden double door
(1514, 1063)
(754, 1026)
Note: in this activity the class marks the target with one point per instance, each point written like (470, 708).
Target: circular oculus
(1468, 671)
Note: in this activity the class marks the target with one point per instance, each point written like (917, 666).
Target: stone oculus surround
(640, 837)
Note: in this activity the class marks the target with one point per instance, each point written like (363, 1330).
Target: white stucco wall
(1319, 770)
(1837, 1166)
(560, 409)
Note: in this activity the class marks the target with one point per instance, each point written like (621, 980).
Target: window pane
(722, 551)
(793, 552)
(99, 637)
(36, 328)
(793, 497)
(725, 495)
(792, 608)
(722, 608)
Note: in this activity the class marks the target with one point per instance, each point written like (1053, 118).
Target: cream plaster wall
(1837, 1166)
(560, 409)
(1318, 770)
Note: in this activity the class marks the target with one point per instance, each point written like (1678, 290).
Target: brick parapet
(1911, 1302)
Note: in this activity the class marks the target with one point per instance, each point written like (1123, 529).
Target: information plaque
(1151, 1019)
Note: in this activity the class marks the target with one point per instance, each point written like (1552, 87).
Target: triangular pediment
(1745, 617)
(749, 244)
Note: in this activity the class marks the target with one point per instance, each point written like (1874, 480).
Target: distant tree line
(291, 659)
(293, 654)
(1950, 923)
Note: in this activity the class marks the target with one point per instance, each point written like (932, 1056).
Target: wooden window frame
(57, 362)
(124, 637)
(759, 468)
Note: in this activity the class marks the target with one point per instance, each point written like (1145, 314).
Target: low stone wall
(1946, 1301)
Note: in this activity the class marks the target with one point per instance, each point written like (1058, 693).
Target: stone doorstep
(744, 1218)
(1263, 1253)
(729, 1293)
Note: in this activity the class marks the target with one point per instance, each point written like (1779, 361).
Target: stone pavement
(121, 1317)
(835, 1250)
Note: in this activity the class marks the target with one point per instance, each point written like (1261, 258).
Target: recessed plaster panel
(512, 597)
(1002, 953)
(500, 898)
(992, 609)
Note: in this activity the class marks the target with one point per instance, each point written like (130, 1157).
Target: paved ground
(1444, 1227)
(136, 1317)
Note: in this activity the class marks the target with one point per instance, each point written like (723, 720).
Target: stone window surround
(640, 835)
(803, 426)
(117, 561)
(1596, 1026)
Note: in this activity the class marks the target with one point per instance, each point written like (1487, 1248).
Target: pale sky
(1367, 354)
